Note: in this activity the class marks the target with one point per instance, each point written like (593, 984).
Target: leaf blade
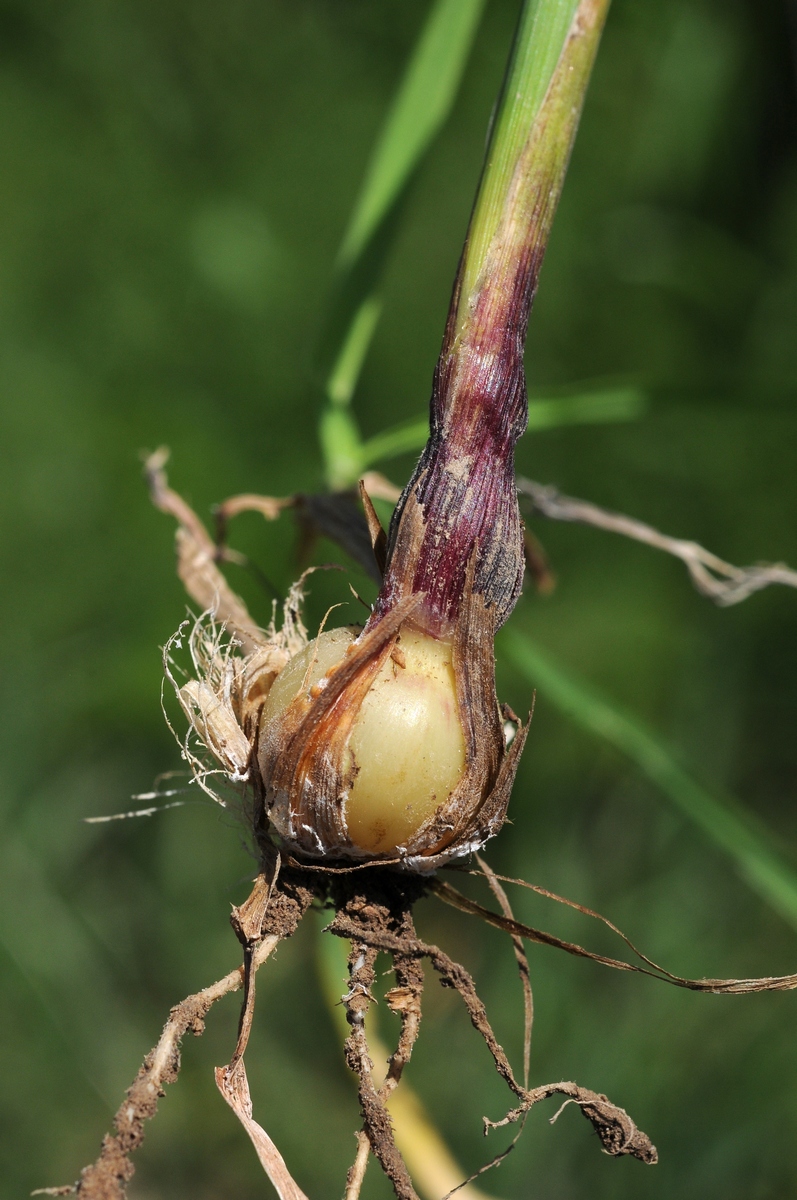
(587, 408)
(418, 112)
(736, 832)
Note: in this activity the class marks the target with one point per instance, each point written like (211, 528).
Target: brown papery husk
(476, 809)
(307, 772)
(301, 752)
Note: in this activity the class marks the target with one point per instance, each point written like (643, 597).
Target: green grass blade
(616, 404)
(346, 371)
(721, 818)
(420, 108)
(341, 447)
(401, 439)
(523, 153)
(418, 112)
(589, 408)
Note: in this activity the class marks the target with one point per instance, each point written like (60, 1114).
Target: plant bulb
(405, 750)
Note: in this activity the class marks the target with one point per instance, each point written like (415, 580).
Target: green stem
(459, 511)
(529, 149)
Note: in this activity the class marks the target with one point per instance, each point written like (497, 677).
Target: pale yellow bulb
(406, 743)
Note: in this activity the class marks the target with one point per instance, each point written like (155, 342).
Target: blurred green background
(176, 180)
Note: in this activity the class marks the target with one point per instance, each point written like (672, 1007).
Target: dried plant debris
(720, 581)
(373, 911)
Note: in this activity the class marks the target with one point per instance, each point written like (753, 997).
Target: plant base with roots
(372, 904)
(373, 910)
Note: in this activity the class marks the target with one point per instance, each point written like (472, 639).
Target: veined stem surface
(459, 511)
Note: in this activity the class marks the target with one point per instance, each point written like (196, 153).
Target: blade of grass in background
(419, 110)
(526, 162)
(720, 817)
(587, 408)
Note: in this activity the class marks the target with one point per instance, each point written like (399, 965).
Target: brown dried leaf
(375, 531)
(196, 560)
(216, 723)
(234, 1087)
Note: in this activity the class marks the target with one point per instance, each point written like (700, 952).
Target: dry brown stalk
(722, 582)
(522, 962)
(356, 1173)
(451, 973)
(528, 1012)
(197, 556)
(405, 1000)
(617, 1132)
(268, 912)
(234, 1087)
(377, 1126)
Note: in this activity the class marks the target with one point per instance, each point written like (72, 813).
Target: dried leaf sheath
(302, 754)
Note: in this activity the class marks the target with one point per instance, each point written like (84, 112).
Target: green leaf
(341, 447)
(418, 112)
(401, 439)
(346, 371)
(617, 404)
(420, 108)
(588, 408)
(721, 818)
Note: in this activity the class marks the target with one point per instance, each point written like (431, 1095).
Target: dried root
(721, 987)
(373, 911)
(107, 1178)
(617, 1132)
(720, 581)
(405, 1000)
(369, 929)
(270, 911)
